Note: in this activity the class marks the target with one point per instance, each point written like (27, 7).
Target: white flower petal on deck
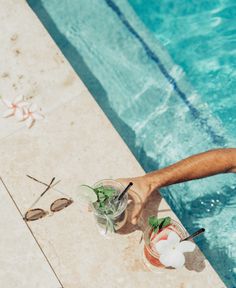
(38, 116)
(19, 114)
(8, 113)
(33, 108)
(25, 111)
(23, 104)
(186, 246)
(7, 103)
(173, 259)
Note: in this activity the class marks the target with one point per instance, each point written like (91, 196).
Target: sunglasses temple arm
(36, 201)
(36, 180)
(49, 186)
(43, 182)
(31, 177)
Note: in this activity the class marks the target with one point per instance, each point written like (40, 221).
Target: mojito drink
(110, 213)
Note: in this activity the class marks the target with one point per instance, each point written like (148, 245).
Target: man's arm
(195, 167)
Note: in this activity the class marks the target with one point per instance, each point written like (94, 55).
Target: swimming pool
(200, 37)
(158, 107)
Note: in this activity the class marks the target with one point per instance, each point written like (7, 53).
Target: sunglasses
(56, 206)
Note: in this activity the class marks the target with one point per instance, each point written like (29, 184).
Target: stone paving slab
(76, 153)
(25, 59)
(76, 144)
(21, 261)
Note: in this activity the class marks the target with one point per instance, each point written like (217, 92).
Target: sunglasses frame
(44, 212)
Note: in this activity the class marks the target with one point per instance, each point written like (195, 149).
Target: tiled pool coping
(77, 144)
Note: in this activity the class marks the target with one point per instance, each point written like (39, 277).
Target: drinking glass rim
(111, 180)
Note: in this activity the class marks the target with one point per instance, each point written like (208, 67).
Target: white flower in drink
(31, 114)
(171, 250)
(15, 108)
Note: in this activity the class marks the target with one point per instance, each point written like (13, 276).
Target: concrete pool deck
(77, 144)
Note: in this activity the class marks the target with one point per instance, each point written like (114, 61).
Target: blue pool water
(200, 37)
(164, 75)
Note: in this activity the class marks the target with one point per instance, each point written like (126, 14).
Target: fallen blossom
(31, 114)
(15, 108)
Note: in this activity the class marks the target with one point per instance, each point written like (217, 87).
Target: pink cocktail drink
(151, 256)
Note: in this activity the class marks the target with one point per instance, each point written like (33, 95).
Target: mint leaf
(109, 192)
(153, 221)
(165, 222)
(158, 224)
(106, 196)
(101, 197)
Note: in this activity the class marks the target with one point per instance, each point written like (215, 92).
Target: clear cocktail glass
(114, 215)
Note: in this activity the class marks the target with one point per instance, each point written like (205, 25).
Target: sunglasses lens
(35, 214)
(60, 204)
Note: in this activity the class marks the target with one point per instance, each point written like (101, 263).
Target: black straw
(195, 234)
(124, 192)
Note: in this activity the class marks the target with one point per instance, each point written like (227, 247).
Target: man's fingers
(137, 201)
(134, 220)
(136, 212)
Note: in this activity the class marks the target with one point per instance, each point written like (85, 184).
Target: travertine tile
(64, 147)
(76, 144)
(31, 65)
(21, 261)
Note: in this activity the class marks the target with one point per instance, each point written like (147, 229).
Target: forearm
(197, 166)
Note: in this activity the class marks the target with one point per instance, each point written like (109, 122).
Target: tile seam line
(217, 139)
(31, 232)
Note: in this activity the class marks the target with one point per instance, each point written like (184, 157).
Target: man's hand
(143, 189)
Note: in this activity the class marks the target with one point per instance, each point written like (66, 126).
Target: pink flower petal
(7, 103)
(173, 258)
(8, 113)
(186, 246)
(29, 122)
